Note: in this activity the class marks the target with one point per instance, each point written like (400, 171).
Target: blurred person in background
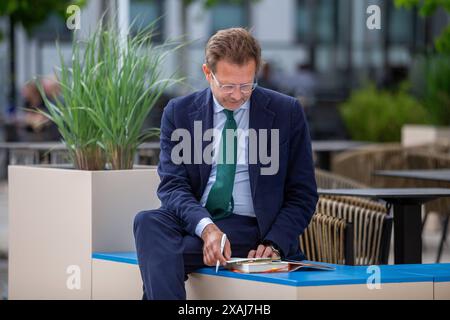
(304, 83)
(266, 78)
(35, 125)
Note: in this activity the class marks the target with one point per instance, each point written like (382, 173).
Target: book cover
(267, 265)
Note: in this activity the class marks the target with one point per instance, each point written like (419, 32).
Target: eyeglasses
(245, 88)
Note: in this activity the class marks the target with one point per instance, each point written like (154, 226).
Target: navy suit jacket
(284, 203)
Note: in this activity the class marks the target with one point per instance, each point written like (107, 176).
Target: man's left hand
(263, 252)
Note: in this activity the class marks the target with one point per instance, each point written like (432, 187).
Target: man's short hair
(235, 45)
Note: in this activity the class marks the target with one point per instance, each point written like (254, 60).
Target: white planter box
(416, 135)
(58, 217)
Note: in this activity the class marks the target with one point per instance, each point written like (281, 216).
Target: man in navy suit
(262, 206)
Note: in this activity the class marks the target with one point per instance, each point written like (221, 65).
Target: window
(227, 14)
(317, 21)
(143, 13)
(326, 22)
(344, 12)
(304, 24)
(401, 25)
(54, 27)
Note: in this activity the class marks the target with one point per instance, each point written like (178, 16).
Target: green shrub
(437, 89)
(378, 115)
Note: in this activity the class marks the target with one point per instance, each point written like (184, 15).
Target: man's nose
(236, 94)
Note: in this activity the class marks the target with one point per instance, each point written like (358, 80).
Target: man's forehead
(225, 69)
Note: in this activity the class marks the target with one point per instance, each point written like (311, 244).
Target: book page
(266, 265)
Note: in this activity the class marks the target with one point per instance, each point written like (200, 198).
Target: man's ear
(206, 71)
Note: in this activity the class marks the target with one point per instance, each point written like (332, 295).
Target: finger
(227, 251)
(267, 252)
(251, 254)
(220, 257)
(212, 249)
(216, 255)
(210, 259)
(206, 258)
(260, 251)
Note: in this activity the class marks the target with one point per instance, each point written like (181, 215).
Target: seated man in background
(37, 126)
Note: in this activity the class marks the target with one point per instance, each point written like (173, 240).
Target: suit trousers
(167, 253)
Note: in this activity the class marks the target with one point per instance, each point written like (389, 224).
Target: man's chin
(233, 106)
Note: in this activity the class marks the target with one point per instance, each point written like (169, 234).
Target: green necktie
(220, 199)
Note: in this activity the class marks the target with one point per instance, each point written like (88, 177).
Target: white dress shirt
(242, 196)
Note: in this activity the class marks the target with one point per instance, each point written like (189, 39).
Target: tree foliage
(31, 13)
(426, 9)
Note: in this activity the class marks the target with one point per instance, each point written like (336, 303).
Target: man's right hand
(212, 236)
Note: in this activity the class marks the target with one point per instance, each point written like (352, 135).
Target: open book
(266, 265)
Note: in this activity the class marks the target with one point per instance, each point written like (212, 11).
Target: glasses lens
(227, 88)
(247, 88)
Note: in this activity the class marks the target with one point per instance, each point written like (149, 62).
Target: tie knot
(229, 114)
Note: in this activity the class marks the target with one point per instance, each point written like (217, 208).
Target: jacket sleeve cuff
(283, 248)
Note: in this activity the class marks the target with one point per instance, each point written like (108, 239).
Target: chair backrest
(328, 180)
(367, 244)
(328, 239)
(356, 201)
(430, 160)
(360, 164)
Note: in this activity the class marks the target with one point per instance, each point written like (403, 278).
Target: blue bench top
(343, 275)
(439, 271)
(124, 257)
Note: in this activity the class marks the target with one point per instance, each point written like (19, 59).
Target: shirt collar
(218, 107)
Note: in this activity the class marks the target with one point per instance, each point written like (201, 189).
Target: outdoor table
(433, 175)
(324, 149)
(442, 175)
(30, 151)
(406, 203)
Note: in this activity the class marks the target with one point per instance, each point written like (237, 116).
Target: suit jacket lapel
(203, 112)
(260, 118)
